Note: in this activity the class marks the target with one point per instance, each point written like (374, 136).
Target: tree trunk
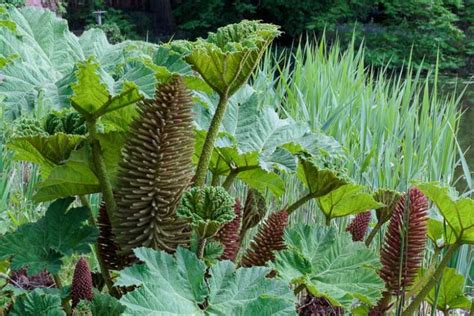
(163, 17)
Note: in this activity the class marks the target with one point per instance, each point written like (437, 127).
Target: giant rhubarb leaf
(41, 245)
(320, 177)
(96, 93)
(227, 58)
(41, 54)
(177, 285)
(330, 265)
(449, 294)
(46, 151)
(37, 303)
(458, 212)
(347, 200)
(251, 142)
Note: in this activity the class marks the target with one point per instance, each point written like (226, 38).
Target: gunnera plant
(404, 245)
(228, 235)
(359, 226)
(81, 288)
(156, 168)
(108, 249)
(268, 239)
(405, 241)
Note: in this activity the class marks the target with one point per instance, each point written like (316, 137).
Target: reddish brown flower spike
(228, 235)
(408, 225)
(359, 225)
(81, 288)
(269, 239)
(107, 247)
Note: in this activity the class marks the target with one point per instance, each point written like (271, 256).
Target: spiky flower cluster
(405, 241)
(317, 306)
(268, 239)
(108, 249)
(156, 168)
(228, 235)
(359, 225)
(81, 288)
(254, 210)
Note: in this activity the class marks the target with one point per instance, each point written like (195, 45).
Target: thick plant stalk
(404, 242)
(228, 235)
(81, 288)
(437, 275)
(104, 270)
(208, 147)
(303, 200)
(359, 225)
(156, 168)
(269, 239)
(373, 233)
(64, 302)
(100, 169)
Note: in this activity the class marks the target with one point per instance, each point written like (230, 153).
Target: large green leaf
(450, 292)
(41, 245)
(319, 177)
(42, 53)
(105, 305)
(458, 212)
(227, 58)
(347, 200)
(176, 285)
(37, 303)
(95, 92)
(251, 142)
(330, 265)
(439, 233)
(76, 175)
(46, 151)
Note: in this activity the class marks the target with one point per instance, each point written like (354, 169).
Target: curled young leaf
(207, 208)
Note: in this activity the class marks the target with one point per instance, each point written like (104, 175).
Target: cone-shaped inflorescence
(156, 168)
(108, 249)
(404, 241)
(359, 225)
(254, 210)
(317, 306)
(268, 239)
(228, 235)
(81, 288)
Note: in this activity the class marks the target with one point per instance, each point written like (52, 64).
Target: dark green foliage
(156, 168)
(41, 245)
(389, 28)
(68, 122)
(37, 303)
